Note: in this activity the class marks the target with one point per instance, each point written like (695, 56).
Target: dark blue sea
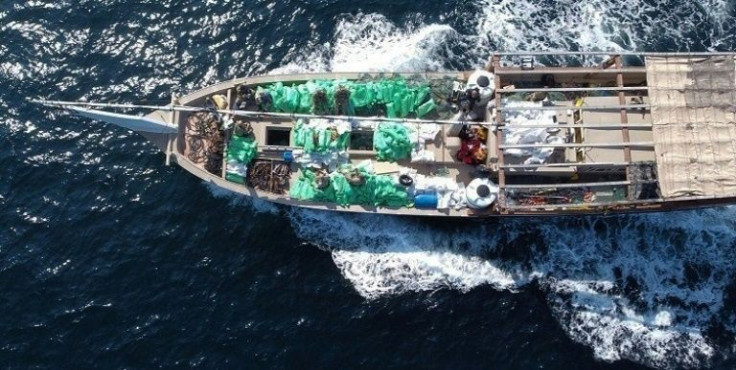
(110, 259)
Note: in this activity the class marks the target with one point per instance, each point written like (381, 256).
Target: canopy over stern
(693, 113)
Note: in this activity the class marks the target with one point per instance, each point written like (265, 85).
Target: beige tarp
(694, 124)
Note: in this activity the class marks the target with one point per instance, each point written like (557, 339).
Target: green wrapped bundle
(343, 191)
(387, 193)
(305, 188)
(363, 95)
(396, 95)
(242, 149)
(426, 108)
(378, 190)
(312, 139)
(305, 98)
(392, 142)
(390, 110)
(233, 177)
(290, 100)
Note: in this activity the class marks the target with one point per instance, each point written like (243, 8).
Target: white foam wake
(371, 43)
(649, 311)
(384, 255)
(605, 25)
(642, 288)
(238, 200)
(376, 274)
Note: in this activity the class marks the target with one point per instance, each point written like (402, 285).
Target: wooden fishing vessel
(527, 136)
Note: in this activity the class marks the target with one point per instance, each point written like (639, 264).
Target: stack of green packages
(395, 95)
(241, 150)
(377, 190)
(305, 188)
(392, 142)
(319, 138)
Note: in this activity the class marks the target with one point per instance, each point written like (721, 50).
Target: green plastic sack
(291, 100)
(242, 149)
(360, 96)
(305, 188)
(232, 177)
(378, 190)
(396, 95)
(390, 110)
(391, 141)
(426, 108)
(314, 140)
(305, 99)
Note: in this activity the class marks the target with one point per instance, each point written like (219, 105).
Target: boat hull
(588, 165)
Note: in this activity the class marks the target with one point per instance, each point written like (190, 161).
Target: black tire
(483, 191)
(406, 180)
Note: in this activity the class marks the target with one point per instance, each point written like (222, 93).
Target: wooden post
(172, 113)
(609, 62)
(224, 153)
(491, 67)
(624, 118)
(496, 63)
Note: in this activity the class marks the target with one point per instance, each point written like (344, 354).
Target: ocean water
(110, 259)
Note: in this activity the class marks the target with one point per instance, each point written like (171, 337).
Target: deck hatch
(278, 136)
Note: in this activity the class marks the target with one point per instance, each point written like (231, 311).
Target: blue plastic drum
(426, 201)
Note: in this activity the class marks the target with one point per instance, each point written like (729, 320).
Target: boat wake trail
(360, 39)
(371, 42)
(384, 255)
(643, 288)
(654, 289)
(659, 25)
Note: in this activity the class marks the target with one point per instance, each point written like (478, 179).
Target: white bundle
(236, 168)
(516, 133)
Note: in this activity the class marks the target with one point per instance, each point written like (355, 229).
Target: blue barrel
(426, 201)
(288, 156)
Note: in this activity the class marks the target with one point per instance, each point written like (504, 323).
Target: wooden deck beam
(603, 126)
(593, 107)
(609, 53)
(496, 64)
(573, 89)
(566, 71)
(603, 89)
(586, 206)
(624, 116)
(577, 145)
(570, 185)
(567, 164)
